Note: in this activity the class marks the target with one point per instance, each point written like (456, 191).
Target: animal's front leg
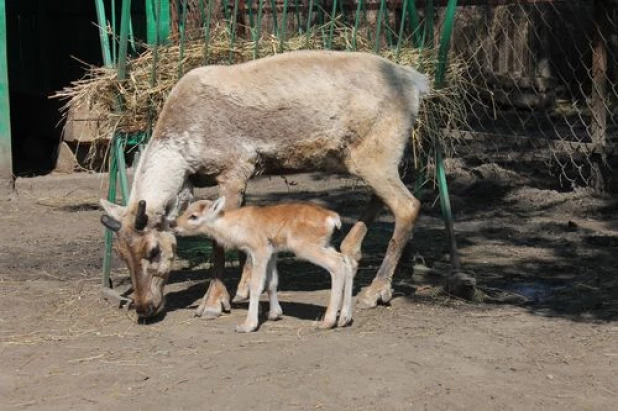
(217, 299)
(258, 278)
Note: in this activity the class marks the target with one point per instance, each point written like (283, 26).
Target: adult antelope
(337, 112)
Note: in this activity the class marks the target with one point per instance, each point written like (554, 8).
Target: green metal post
(357, 19)
(258, 30)
(273, 5)
(114, 31)
(207, 32)
(309, 16)
(233, 28)
(111, 197)
(122, 168)
(331, 30)
(414, 23)
(376, 47)
(6, 164)
(102, 22)
(157, 20)
(445, 202)
(299, 23)
(182, 29)
(284, 25)
(124, 39)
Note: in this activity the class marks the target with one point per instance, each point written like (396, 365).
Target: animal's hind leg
(275, 312)
(217, 299)
(405, 208)
(379, 169)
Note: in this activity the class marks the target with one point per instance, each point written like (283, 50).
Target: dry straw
(142, 98)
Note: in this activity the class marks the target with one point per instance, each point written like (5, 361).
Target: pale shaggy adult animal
(337, 112)
(261, 232)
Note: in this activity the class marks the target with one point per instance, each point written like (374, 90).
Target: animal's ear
(115, 211)
(217, 206)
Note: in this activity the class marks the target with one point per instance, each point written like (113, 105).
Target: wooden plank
(599, 97)
(7, 182)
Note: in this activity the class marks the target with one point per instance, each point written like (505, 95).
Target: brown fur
(261, 232)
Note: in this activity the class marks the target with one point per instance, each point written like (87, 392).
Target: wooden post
(7, 181)
(599, 98)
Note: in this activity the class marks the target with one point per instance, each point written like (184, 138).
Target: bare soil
(541, 333)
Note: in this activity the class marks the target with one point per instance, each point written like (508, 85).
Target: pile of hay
(143, 93)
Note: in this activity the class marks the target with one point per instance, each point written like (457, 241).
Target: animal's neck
(158, 178)
(229, 235)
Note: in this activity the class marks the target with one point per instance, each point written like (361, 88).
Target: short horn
(141, 219)
(111, 223)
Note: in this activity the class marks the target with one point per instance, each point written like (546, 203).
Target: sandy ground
(542, 335)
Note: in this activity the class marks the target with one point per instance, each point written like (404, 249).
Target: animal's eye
(154, 253)
(193, 217)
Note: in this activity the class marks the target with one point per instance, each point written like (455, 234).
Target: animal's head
(147, 248)
(199, 216)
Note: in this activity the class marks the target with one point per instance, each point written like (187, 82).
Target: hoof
(344, 320)
(275, 316)
(326, 325)
(208, 313)
(377, 292)
(239, 298)
(461, 285)
(245, 328)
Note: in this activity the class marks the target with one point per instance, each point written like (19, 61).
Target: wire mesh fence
(527, 78)
(542, 76)
(545, 83)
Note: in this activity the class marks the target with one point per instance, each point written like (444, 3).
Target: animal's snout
(146, 310)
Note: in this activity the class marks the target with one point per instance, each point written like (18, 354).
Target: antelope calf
(261, 232)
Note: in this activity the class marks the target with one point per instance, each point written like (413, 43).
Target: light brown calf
(261, 232)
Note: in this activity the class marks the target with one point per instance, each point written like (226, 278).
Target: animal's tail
(351, 245)
(420, 80)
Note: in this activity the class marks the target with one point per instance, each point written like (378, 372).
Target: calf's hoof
(344, 320)
(275, 315)
(326, 325)
(246, 328)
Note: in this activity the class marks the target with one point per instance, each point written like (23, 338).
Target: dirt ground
(542, 333)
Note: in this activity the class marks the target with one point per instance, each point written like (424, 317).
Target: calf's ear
(217, 206)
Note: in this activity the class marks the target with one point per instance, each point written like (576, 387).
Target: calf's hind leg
(275, 312)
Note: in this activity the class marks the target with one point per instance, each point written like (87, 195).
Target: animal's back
(280, 223)
(294, 111)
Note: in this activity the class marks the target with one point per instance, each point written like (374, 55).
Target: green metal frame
(158, 28)
(6, 162)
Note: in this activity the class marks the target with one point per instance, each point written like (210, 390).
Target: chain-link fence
(534, 77)
(542, 75)
(545, 83)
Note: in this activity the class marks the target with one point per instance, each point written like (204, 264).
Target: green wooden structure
(6, 162)
(158, 29)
